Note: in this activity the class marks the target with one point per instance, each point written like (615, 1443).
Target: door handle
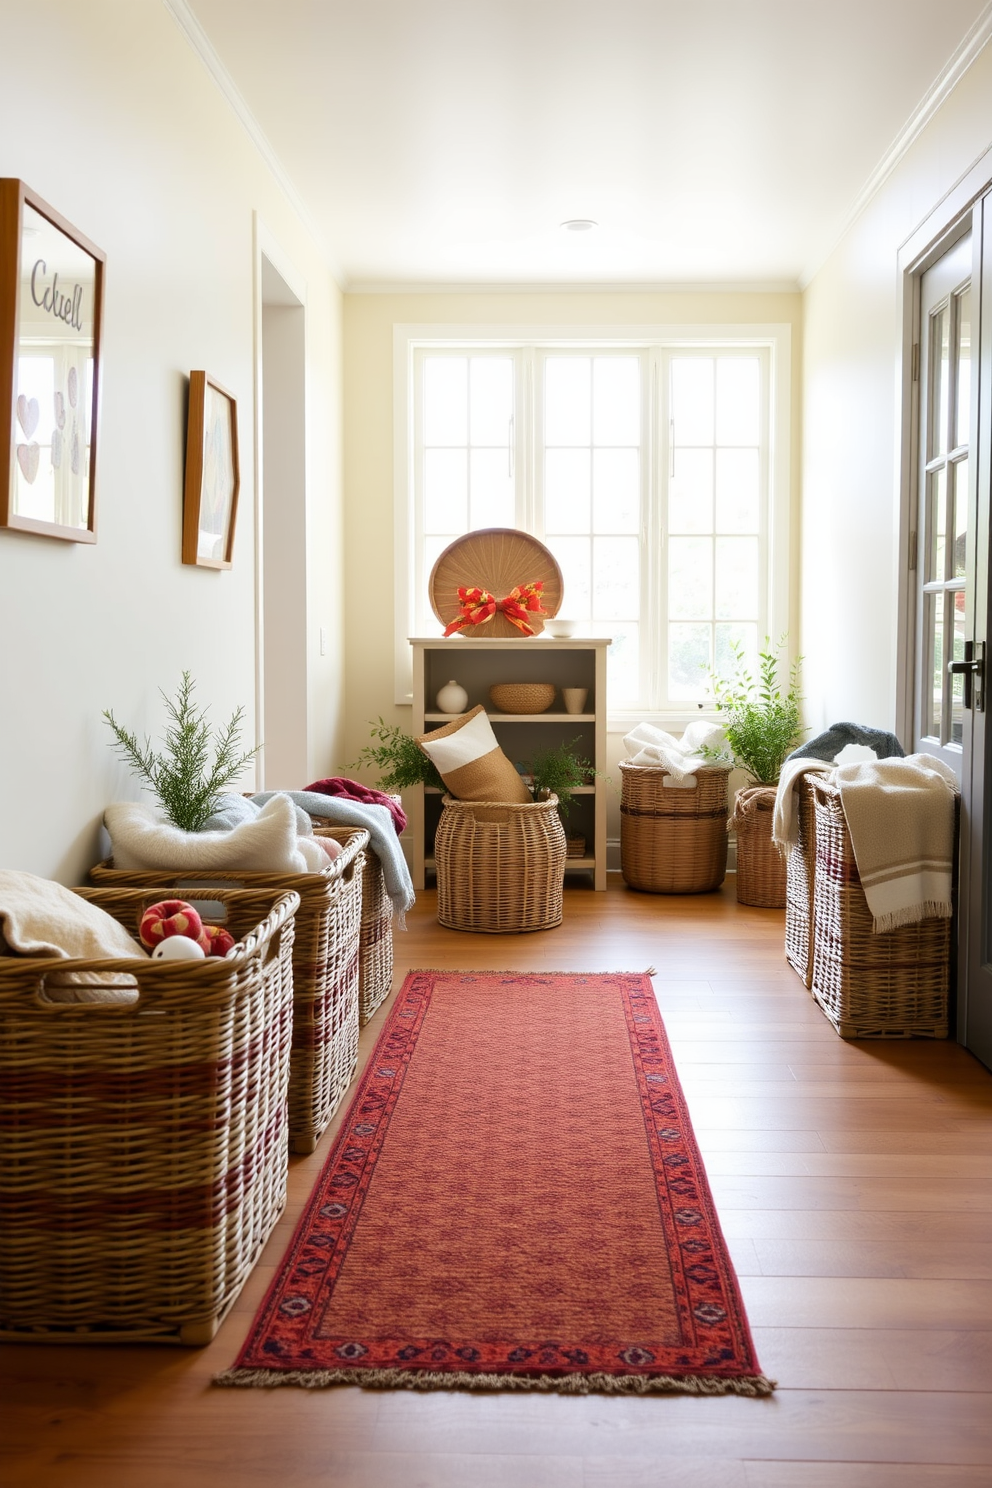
(972, 668)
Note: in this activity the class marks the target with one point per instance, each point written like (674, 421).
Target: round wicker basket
(498, 559)
(522, 697)
(673, 841)
(500, 866)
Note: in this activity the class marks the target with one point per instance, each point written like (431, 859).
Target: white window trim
(407, 338)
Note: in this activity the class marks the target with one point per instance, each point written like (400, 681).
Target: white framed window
(653, 463)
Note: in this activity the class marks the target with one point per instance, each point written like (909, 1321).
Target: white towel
(647, 745)
(44, 919)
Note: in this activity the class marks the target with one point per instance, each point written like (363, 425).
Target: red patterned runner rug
(515, 1201)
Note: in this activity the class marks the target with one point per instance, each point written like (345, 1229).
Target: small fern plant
(184, 777)
(558, 771)
(398, 758)
(763, 723)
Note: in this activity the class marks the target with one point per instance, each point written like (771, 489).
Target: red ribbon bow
(479, 607)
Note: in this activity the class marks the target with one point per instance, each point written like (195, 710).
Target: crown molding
(566, 287)
(204, 49)
(941, 89)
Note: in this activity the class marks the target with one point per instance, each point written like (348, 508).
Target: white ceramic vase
(452, 699)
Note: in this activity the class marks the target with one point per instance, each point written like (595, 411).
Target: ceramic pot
(452, 699)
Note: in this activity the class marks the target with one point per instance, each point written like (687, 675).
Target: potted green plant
(187, 782)
(763, 723)
(559, 770)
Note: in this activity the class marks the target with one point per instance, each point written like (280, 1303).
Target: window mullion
(653, 602)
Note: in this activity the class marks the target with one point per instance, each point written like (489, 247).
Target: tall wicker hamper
(325, 973)
(143, 1153)
(375, 944)
(799, 870)
(893, 985)
(500, 866)
(673, 840)
(761, 869)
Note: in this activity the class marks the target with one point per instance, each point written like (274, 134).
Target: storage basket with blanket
(375, 943)
(882, 914)
(794, 830)
(143, 1130)
(325, 969)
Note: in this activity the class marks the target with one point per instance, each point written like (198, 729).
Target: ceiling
(442, 142)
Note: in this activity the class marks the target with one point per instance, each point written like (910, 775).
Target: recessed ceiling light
(579, 225)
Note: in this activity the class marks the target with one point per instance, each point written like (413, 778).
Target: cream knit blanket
(900, 814)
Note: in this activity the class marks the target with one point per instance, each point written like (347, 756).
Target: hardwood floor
(854, 1183)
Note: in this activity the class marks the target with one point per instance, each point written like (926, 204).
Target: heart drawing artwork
(28, 456)
(27, 414)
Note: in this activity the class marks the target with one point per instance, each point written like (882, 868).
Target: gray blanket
(378, 822)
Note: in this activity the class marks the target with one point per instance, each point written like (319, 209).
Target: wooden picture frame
(51, 322)
(213, 475)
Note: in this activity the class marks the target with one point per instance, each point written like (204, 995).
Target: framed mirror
(51, 304)
(210, 493)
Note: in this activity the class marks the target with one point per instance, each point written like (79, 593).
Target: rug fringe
(755, 1385)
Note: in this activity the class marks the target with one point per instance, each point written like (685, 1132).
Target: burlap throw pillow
(470, 761)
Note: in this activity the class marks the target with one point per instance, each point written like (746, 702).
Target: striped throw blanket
(900, 814)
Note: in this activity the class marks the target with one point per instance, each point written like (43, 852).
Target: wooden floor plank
(853, 1182)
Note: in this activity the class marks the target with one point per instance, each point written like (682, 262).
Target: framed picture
(210, 498)
(51, 308)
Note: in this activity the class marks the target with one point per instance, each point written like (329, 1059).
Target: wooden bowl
(523, 697)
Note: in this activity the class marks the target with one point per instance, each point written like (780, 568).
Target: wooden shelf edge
(518, 717)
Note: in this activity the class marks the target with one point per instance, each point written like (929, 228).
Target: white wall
(107, 112)
(852, 338)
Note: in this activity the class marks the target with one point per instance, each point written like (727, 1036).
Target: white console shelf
(479, 663)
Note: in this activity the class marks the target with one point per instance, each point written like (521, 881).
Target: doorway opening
(282, 641)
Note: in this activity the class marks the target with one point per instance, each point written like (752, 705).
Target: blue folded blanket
(828, 745)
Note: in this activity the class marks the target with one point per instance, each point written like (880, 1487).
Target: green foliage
(182, 776)
(398, 758)
(763, 724)
(558, 771)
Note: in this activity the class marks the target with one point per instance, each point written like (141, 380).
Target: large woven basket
(893, 985)
(673, 840)
(325, 973)
(143, 1151)
(498, 559)
(799, 872)
(375, 944)
(760, 866)
(500, 866)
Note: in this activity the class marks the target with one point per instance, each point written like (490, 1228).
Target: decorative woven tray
(498, 559)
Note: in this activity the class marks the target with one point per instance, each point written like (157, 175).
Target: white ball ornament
(178, 948)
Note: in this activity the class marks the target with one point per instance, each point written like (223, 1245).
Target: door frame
(950, 220)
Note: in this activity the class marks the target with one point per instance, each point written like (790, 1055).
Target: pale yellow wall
(850, 380)
(368, 414)
(107, 112)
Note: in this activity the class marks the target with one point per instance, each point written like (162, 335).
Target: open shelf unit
(478, 663)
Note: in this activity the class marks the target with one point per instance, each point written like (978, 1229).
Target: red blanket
(353, 790)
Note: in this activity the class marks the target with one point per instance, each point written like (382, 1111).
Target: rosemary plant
(398, 758)
(763, 723)
(186, 781)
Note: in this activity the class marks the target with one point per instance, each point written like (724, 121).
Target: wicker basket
(325, 973)
(375, 944)
(143, 1144)
(673, 841)
(799, 899)
(500, 867)
(893, 985)
(760, 865)
(522, 697)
